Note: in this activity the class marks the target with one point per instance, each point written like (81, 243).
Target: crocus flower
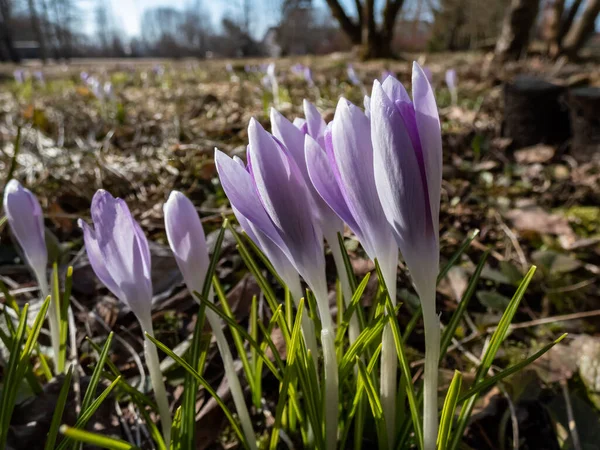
(452, 86)
(277, 182)
(26, 221)
(119, 255)
(408, 166)
(352, 76)
(186, 238)
(272, 82)
(297, 138)
(39, 76)
(20, 76)
(308, 76)
(344, 178)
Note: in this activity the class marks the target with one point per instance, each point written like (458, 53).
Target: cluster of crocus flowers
(378, 171)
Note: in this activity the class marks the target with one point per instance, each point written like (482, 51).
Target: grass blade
(490, 353)
(450, 329)
(58, 411)
(489, 382)
(95, 378)
(98, 440)
(204, 383)
(448, 410)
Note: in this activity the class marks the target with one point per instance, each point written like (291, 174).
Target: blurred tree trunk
(581, 30)
(6, 36)
(374, 42)
(552, 26)
(516, 29)
(569, 18)
(37, 29)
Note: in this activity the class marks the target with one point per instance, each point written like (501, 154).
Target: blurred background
(63, 29)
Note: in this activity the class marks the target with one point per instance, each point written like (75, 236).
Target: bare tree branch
(351, 29)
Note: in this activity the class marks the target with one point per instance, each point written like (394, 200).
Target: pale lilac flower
(297, 69)
(451, 82)
(20, 76)
(119, 255)
(308, 76)
(39, 76)
(408, 170)
(229, 68)
(352, 76)
(187, 240)
(108, 90)
(26, 221)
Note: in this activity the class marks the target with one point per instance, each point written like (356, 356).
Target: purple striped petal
(26, 221)
(397, 172)
(284, 195)
(124, 250)
(324, 181)
(291, 137)
(350, 150)
(97, 260)
(314, 122)
(428, 123)
(239, 188)
(187, 240)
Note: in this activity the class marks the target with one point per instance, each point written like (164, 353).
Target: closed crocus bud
(408, 169)
(119, 254)
(187, 240)
(26, 221)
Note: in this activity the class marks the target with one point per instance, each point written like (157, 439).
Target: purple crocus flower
(276, 181)
(20, 76)
(39, 76)
(452, 85)
(119, 255)
(352, 76)
(307, 72)
(408, 166)
(297, 69)
(187, 240)
(345, 179)
(26, 221)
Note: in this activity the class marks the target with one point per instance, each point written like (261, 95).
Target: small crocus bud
(26, 221)
(119, 254)
(187, 240)
(408, 171)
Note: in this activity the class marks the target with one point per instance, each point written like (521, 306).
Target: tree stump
(535, 112)
(584, 104)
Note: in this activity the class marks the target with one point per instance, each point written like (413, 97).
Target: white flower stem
(389, 355)
(432, 356)
(158, 385)
(331, 388)
(53, 319)
(330, 367)
(336, 251)
(232, 378)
